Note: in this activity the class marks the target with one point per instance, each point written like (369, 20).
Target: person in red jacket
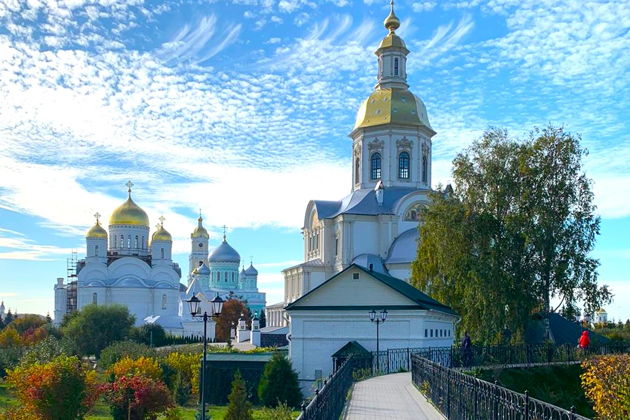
(584, 340)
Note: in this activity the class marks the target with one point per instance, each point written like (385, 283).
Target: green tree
(514, 232)
(239, 407)
(96, 327)
(279, 383)
(121, 349)
(149, 334)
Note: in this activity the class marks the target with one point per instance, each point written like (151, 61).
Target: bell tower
(199, 246)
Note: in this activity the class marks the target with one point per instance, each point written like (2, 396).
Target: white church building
(358, 251)
(128, 265)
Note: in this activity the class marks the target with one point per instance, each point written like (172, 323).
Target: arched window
(136, 243)
(357, 170)
(395, 67)
(425, 169)
(122, 241)
(96, 250)
(113, 241)
(375, 166)
(129, 241)
(162, 252)
(142, 241)
(403, 165)
(163, 301)
(226, 276)
(95, 298)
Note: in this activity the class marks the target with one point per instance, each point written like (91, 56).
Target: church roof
(200, 231)
(203, 270)
(96, 231)
(392, 106)
(422, 300)
(403, 249)
(129, 213)
(161, 234)
(363, 201)
(365, 260)
(224, 253)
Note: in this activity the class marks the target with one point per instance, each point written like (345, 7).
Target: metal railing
(399, 360)
(329, 401)
(464, 397)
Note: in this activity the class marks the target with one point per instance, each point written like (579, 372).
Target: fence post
(448, 393)
(526, 405)
(409, 359)
(475, 396)
(388, 366)
(572, 413)
(496, 400)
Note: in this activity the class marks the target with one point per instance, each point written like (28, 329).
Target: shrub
(606, 382)
(121, 349)
(97, 326)
(279, 383)
(45, 351)
(281, 412)
(186, 382)
(9, 358)
(33, 336)
(58, 390)
(137, 398)
(143, 366)
(239, 408)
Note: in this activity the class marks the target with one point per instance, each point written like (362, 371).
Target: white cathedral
(376, 225)
(132, 267)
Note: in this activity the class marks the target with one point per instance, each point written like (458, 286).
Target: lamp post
(216, 307)
(378, 318)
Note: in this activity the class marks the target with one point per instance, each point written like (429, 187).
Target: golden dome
(392, 106)
(161, 234)
(392, 40)
(96, 231)
(129, 213)
(200, 231)
(391, 22)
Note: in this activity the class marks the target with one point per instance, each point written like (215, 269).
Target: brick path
(389, 397)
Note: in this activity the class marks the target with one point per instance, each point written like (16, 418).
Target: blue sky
(242, 108)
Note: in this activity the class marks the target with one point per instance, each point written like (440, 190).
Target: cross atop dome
(224, 230)
(97, 216)
(161, 219)
(129, 184)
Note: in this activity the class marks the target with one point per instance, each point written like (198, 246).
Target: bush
(137, 398)
(279, 383)
(281, 412)
(186, 380)
(143, 366)
(27, 322)
(45, 351)
(239, 408)
(9, 358)
(606, 382)
(95, 327)
(121, 349)
(10, 338)
(58, 390)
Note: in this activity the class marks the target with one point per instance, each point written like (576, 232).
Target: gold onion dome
(200, 231)
(391, 22)
(129, 213)
(96, 231)
(161, 234)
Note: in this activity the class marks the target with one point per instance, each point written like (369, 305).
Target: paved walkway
(389, 397)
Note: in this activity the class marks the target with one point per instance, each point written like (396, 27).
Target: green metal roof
(421, 300)
(351, 347)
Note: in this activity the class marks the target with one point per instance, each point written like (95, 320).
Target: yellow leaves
(143, 366)
(188, 365)
(606, 382)
(9, 338)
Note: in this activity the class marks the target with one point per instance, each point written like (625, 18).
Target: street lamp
(216, 307)
(378, 318)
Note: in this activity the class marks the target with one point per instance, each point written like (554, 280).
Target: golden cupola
(160, 233)
(129, 213)
(96, 231)
(392, 102)
(200, 231)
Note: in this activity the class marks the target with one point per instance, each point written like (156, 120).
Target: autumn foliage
(137, 397)
(142, 366)
(58, 390)
(606, 382)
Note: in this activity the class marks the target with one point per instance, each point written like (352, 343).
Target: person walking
(584, 341)
(466, 350)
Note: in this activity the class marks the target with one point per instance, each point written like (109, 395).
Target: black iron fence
(399, 360)
(464, 397)
(329, 401)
